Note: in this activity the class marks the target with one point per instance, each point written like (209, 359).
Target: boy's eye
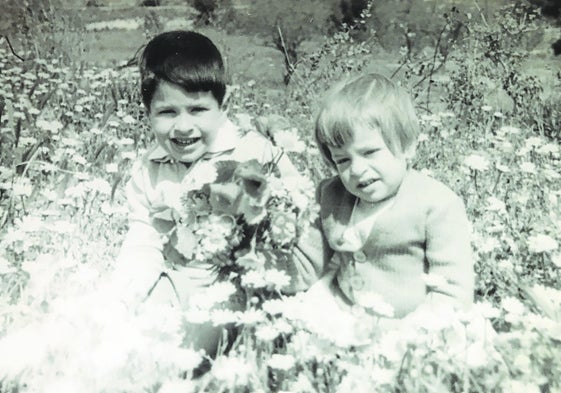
(166, 112)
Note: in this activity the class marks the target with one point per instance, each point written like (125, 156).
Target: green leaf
(224, 198)
(164, 220)
(225, 170)
(252, 180)
(166, 215)
(185, 241)
(253, 212)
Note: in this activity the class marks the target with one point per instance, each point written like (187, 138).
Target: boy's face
(367, 168)
(185, 123)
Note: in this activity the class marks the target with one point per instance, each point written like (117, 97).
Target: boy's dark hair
(185, 58)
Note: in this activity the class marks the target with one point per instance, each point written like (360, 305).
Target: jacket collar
(227, 138)
(338, 206)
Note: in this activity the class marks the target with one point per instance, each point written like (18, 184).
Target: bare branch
(11, 47)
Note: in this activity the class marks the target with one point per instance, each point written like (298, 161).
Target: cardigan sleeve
(449, 253)
(308, 260)
(309, 256)
(322, 191)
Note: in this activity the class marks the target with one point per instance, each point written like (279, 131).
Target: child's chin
(190, 156)
(369, 197)
(365, 196)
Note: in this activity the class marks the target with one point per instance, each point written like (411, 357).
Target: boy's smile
(367, 168)
(185, 123)
(184, 142)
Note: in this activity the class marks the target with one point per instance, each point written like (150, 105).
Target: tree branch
(11, 47)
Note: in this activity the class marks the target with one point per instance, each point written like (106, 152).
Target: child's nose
(183, 124)
(357, 167)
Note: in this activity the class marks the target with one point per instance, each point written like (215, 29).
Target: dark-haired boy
(183, 85)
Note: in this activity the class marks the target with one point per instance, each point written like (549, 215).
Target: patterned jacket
(155, 185)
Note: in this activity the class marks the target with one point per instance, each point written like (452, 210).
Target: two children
(183, 86)
(388, 226)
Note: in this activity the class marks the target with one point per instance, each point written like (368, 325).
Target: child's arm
(314, 246)
(449, 253)
(308, 259)
(140, 259)
(306, 264)
(310, 253)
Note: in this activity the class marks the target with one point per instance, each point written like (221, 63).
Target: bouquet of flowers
(244, 219)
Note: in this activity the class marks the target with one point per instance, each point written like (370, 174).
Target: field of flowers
(69, 134)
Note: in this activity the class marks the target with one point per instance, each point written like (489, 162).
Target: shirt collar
(227, 139)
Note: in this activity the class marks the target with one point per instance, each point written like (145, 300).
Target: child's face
(185, 123)
(367, 168)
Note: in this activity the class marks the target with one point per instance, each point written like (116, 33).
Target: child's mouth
(366, 183)
(184, 142)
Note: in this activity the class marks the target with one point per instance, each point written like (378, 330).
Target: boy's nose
(183, 125)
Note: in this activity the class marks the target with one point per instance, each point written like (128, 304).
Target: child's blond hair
(371, 101)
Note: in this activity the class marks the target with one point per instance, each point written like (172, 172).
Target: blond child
(399, 239)
(183, 86)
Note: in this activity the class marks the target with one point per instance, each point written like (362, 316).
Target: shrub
(150, 3)
(342, 53)
(284, 28)
(492, 68)
(94, 3)
(212, 12)
(347, 11)
(206, 8)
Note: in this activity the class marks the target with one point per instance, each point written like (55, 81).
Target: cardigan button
(359, 256)
(357, 282)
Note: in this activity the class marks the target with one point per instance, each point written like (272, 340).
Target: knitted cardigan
(425, 231)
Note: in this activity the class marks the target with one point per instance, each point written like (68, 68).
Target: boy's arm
(449, 254)
(140, 259)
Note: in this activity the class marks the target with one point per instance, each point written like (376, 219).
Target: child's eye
(340, 161)
(166, 112)
(371, 152)
(198, 109)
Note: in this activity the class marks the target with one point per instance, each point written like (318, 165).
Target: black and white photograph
(280, 196)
